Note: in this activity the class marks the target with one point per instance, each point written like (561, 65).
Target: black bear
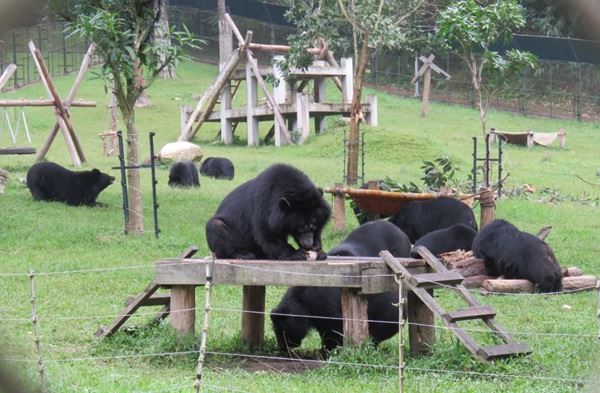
(48, 181)
(456, 237)
(418, 218)
(184, 174)
(218, 167)
(507, 251)
(255, 220)
(321, 309)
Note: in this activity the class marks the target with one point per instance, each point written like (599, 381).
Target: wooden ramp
(147, 298)
(442, 278)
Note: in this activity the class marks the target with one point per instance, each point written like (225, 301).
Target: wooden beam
(183, 304)
(8, 72)
(426, 90)
(253, 317)
(421, 330)
(355, 323)
(488, 207)
(280, 127)
(210, 97)
(251, 104)
(339, 209)
(434, 67)
(41, 102)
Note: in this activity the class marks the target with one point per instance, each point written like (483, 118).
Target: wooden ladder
(442, 278)
(147, 298)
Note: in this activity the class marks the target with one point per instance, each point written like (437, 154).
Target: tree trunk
(136, 214)
(161, 37)
(356, 114)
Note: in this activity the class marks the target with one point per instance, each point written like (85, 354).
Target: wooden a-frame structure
(425, 72)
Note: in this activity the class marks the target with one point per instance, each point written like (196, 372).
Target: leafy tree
(345, 25)
(122, 32)
(470, 29)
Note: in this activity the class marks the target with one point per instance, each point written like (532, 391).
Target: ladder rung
(433, 280)
(470, 313)
(503, 350)
(160, 299)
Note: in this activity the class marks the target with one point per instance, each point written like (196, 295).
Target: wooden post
(371, 117)
(373, 185)
(488, 207)
(319, 96)
(182, 306)
(225, 52)
(529, 139)
(354, 312)
(8, 72)
(252, 102)
(253, 317)
(421, 333)
(426, 89)
(562, 138)
(339, 208)
(303, 116)
(347, 80)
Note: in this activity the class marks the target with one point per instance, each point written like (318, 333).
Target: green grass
(51, 237)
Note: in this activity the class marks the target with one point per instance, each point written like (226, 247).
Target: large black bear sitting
(48, 181)
(219, 167)
(456, 237)
(321, 308)
(507, 251)
(255, 220)
(418, 218)
(184, 174)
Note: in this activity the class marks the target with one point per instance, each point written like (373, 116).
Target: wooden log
(339, 209)
(354, 312)
(509, 286)
(280, 48)
(579, 283)
(572, 272)
(225, 52)
(8, 72)
(183, 304)
(421, 333)
(40, 102)
(253, 317)
(488, 207)
(426, 90)
(476, 281)
(251, 103)
(372, 116)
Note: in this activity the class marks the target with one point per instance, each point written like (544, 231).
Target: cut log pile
(473, 271)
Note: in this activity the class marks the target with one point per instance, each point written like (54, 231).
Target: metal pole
(398, 279)
(474, 189)
(499, 168)
(487, 161)
(14, 45)
(154, 182)
(417, 93)
(344, 167)
(123, 181)
(204, 334)
(36, 332)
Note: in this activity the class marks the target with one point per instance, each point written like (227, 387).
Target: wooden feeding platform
(529, 138)
(356, 276)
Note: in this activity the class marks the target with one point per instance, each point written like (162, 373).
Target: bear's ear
(284, 204)
(96, 172)
(320, 190)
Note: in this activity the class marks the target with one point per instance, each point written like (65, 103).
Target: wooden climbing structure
(421, 285)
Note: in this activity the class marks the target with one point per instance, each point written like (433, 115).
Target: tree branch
(404, 17)
(353, 22)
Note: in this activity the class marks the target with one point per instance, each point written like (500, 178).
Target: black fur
(507, 251)
(255, 220)
(48, 181)
(321, 309)
(456, 237)
(184, 174)
(219, 167)
(419, 218)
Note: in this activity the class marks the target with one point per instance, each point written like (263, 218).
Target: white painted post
(184, 115)
(347, 80)
(252, 121)
(319, 96)
(302, 116)
(372, 114)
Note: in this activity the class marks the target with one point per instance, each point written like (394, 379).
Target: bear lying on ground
(507, 251)
(48, 181)
(456, 237)
(219, 167)
(255, 220)
(418, 218)
(184, 174)
(321, 308)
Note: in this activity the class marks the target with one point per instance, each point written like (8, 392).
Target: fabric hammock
(528, 137)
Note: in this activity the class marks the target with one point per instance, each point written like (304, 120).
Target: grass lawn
(52, 237)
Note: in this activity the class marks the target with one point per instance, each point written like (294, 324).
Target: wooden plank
(426, 90)
(503, 351)
(183, 304)
(158, 299)
(316, 72)
(421, 330)
(8, 72)
(302, 116)
(251, 103)
(22, 102)
(464, 314)
(319, 96)
(17, 151)
(354, 312)
(339, 209)
(426, 64)
(253, 317)
(347, 81)
(434, 280)
(371, 111)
